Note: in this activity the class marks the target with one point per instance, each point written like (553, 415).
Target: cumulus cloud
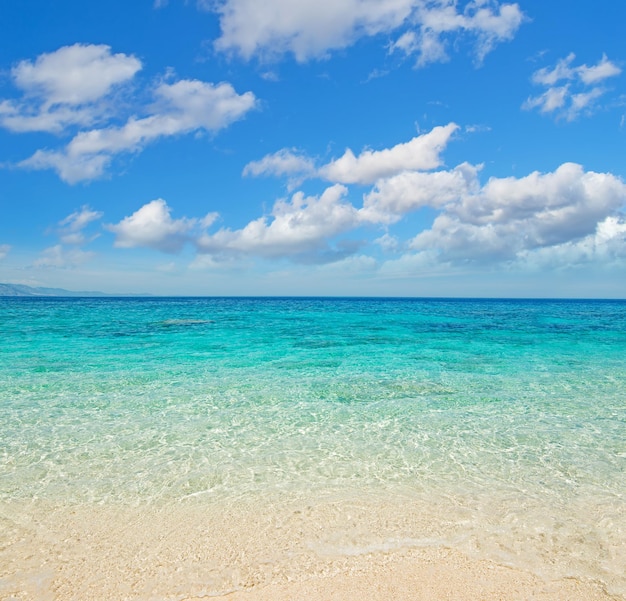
(181, 107)
(70, 89)
(566, 213)
(394, 197)
(606, 244)
(313, 28)
(299, 228)
(509, 217)
(64, 87)
(152, 226)
(74, 74)
(286, 162)
(571, 90)
(421, 153)
(4, 250)
(307, 29)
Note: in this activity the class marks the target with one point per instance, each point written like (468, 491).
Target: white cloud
(408, 43)
(300, 229)
(196, 104)
(312, 28)
(60, 258)
(152, 226)
(79, 219)
(406, 192)
(71, 169)
(584, 100)
(74, 74)
(63, 88)
(564, 70)
(421, 153)
(489, 22)
(71, 232)
(579, 92)
(506, 220)
(606, 246)
(603, 70)
(509, 217)
(308, 28)
(72, 226)
(4, 250)
(388, 243)
(20, 118)
(182, 107)
(477, 128)
(72, 89)
(285, 162)
(270, 76)
(550, 101)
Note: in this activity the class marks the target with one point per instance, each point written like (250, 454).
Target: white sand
(336, 550)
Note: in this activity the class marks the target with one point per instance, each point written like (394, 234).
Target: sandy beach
(261, 552)
(424, 576)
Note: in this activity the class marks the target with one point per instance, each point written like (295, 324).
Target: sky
(314, 147)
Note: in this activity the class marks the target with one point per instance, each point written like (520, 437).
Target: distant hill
(21, 290)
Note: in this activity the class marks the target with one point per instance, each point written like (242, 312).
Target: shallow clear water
(512, 411)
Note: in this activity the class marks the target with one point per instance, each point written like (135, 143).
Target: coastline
(265, 550)
(173, 450)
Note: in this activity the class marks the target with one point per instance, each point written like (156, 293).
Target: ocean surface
(504, 421)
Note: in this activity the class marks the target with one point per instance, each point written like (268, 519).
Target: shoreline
(174, 450)
(262, 551)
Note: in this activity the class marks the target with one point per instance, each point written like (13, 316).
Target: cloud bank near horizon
(567, 216)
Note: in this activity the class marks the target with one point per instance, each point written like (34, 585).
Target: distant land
(22, 290)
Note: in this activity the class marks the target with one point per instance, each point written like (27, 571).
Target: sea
(320, 427)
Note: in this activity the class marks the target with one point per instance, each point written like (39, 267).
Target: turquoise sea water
(516, 410)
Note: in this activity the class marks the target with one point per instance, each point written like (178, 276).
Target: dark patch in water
(169, 323)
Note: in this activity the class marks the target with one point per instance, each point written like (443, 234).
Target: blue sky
(314, 147)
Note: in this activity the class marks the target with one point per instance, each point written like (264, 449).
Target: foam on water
(501, 423)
